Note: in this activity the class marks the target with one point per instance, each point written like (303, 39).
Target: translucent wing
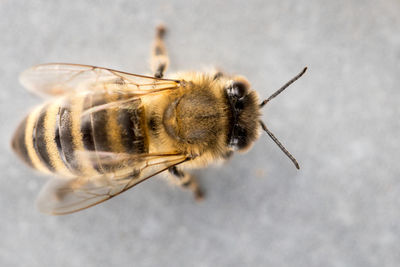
(62, 196)
(56, 79)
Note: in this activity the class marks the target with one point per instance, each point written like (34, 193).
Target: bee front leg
(159, 57)
(187, 181)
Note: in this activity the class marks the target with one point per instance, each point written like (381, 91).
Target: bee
(104, 131)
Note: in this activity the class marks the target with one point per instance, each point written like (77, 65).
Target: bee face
(243, 103)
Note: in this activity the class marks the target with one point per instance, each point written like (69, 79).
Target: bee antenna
(280, 90)
(264, 127)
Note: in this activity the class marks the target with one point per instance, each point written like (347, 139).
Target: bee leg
(159, 57)
(187, 181)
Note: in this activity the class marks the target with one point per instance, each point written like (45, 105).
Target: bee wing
(57, 79)
(62, 196)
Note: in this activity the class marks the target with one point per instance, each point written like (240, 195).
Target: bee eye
(237, 89)
(239, 138)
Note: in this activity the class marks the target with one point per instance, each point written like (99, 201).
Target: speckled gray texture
(341, 121)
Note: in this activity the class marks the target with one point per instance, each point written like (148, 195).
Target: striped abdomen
(49, 138)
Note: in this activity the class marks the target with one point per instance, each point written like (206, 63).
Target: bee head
(245, 120)
(244, 108)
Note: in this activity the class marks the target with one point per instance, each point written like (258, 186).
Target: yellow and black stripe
(49, 137)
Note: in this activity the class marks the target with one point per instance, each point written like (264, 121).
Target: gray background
(341, 121)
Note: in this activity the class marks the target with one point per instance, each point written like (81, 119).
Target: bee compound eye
(236, 89)
(234, 143)
(239, 139)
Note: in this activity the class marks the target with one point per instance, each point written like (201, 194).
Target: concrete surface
(341, 121)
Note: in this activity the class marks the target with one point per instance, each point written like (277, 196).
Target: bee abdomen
(64, 138)
(115, 129)
(31, 140)
(132, 124)
(55, 137)
(19, 145)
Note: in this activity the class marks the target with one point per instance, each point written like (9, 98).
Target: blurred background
(340, 120)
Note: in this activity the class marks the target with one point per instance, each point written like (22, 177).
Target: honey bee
(104, 131)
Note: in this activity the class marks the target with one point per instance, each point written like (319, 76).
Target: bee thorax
(193, 119)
